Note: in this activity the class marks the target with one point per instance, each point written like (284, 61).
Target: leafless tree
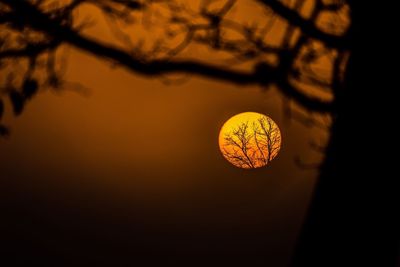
(252, 146)
(316, 33)
(238, 148)
(267, 137)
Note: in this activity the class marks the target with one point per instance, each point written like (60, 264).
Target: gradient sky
(135, 165)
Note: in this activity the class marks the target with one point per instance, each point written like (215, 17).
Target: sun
(250, 140)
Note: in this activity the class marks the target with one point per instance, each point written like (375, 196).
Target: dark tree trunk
(352, 217)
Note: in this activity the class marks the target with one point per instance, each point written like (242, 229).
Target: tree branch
(307, 26)
(29, 51)
(264, 76)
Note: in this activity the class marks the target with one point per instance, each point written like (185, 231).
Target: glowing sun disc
(250, 140)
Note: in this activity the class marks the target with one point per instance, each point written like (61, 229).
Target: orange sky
(138, 148)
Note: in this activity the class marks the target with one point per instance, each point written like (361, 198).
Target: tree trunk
(352, 218)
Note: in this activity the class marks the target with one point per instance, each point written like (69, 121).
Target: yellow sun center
(250, 140)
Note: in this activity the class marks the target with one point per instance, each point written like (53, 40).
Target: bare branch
(32, 30)
(252, 146)
(307, 26)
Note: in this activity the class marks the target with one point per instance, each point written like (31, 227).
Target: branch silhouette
(42, 29)
(308, 26)
(252, 145)
(268, 138)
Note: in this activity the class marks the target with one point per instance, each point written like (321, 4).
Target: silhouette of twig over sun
(252, 144)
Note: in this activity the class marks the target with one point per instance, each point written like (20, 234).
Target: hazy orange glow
(250, 140)
(132, 161)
